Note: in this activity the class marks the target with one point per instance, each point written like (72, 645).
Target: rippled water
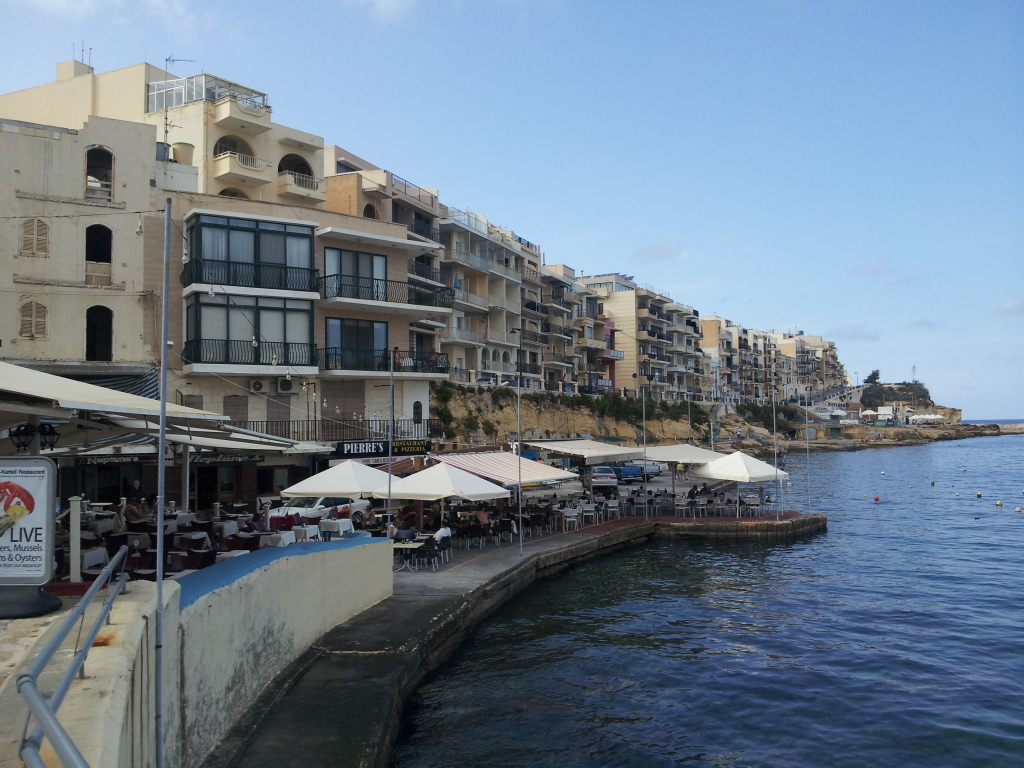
(896, 639)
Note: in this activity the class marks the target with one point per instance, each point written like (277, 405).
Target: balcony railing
(558, 330)
(534, 337)
(500, 302)
(302, 181)
(341, 359)
(532, 306)
(391, 291)
(527, 244)
(529, 273)
(425, 230)
(98, 190)
(533, 368)
(410, 190)
(498, 336)
(246, 161)
(244, 352)
(498, 366)
(552, 357)
(420, 269)
(250, 275)
(461, 334)
(614, 354)
(469, 259)
(469, 298)
(333, 430)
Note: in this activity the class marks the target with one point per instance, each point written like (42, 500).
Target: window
(33, 320)
(295, 164)
(369, 212)
(35, 238)
(99, 174)
(227, 326)
(232, 145)
(344, 333)
(99, 334)
(417, 411)
(260, 254)
(236, 407)
(98, 244)
(232, 192)
(342, 168)
(354, 275)
(192, 401)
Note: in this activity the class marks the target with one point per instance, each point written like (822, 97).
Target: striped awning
(504, 467)
(591, 451)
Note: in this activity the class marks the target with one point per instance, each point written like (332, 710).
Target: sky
(849, 168)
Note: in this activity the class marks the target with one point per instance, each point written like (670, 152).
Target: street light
(643, 415)
(519, 432)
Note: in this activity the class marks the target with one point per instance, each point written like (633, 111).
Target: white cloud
(1012, 307)
(853, 332)
(872, 268)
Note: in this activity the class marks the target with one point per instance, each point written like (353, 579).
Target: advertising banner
(28, 490)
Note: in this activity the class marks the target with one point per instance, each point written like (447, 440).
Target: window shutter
(26, 320)
(40, 320)
(42, 245)
(28, 237)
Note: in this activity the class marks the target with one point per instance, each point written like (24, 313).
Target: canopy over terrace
(740, 468)
(440, 482)
(591, 451)
(348, 478)
(681, 453)
(506, 468)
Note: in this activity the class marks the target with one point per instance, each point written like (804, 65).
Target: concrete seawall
(341, 703)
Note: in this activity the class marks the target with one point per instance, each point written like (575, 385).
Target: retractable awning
(683, 453)
(592, 451)
(503, 467)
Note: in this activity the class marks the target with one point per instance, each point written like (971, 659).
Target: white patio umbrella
(347, 478)
(869, 413)
(681, 453)
(441, 481)
(739, 468)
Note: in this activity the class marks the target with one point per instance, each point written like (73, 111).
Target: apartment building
(658, 338)
(287, 316)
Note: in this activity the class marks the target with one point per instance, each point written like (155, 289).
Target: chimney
(74, 68)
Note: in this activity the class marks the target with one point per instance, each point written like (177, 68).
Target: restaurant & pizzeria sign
(367, 449)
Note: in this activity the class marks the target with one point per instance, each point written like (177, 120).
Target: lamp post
(391, 422)
(643, 416)
(519, 432)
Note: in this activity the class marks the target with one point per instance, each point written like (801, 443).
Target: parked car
(650, 469)
(603, 479)
(627, 473)
(309, 506)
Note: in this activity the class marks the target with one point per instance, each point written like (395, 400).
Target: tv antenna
(167, 120)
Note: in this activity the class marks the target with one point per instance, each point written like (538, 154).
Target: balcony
(241, 115)
(471, 300)
(236, 168)
(424, 230)
(245, 352)
(333, 430)
(558, 301)
(531, 307)
(498, 366)
(496, 336)
(527, 244)
(412, 192)
(505, 271)
(533, 369)
(250, 275)
(531, 274)
(99, 190)
(464, 335)
(552, 358)
(425, 271)
(590, 343)
(613, 354)
(301, 186)
(532, 337)
(403, 298)
(558, 330)
(380, 361)
(500, 302)
(468, 259)
(604, 382)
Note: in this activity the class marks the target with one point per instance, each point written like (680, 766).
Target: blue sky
(850, 168)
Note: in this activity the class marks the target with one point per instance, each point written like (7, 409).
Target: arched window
(98, 249)
(296, 164)
(99, 334)
(232, 192)
(99, 174)
(35, 238)
(417, 412)
(232, 145)
(33, 320)
(369, 212)
(505, 358)
(495, 356)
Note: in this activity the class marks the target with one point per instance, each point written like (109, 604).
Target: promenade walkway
(340, 704)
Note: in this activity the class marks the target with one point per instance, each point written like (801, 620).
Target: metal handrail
(246, 161)
(45, 710)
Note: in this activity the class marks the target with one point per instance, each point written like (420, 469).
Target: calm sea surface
(896, 639)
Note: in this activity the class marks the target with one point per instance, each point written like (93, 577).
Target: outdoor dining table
(94, 557)
(407, 550)
(280, 539)
(329, 527)
(185, 518)
(226, 527)
(102, 526)
(196, 540)
(305, 532)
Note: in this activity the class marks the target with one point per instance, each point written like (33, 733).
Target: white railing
(462, 334)
(302, 180)
(246, 161)
(250, 107)
(98, 190)
(469, 259)
(469, 298)
(498, 337)
(499, 366)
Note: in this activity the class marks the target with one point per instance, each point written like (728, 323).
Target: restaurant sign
(221, 458)
(367, 449)
(108, 459)
(28, 492)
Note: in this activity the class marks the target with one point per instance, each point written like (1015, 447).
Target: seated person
(443, 532)
(703, 489)
(482, 517)
(132, 513)
(428, 523)
(392, 530)
(692, 493)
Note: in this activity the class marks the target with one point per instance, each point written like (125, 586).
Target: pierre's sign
(28, 492)
(371, 449)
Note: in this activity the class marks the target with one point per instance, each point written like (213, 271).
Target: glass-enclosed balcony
(246, 352)
(387, 291)
(250, 275)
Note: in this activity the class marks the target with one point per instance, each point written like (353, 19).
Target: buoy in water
(876, 498)
(933, 482)
(1017, 510)
(979, 494)
(999, 503)
(958, 495)
(883, 473)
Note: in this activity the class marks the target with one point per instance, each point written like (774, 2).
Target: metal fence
(250, 275)
(342, 359)
(333, 430)
(372, 289)
(230, 352)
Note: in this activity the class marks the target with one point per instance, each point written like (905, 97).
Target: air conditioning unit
(259, 386)
(287, 386)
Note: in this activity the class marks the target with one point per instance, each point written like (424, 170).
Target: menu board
(28, 490)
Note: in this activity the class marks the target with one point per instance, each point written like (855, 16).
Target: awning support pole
(161, 493)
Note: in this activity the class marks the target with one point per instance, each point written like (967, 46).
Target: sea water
(894, 639)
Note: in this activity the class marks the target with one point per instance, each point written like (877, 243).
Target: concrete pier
(341, 703)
